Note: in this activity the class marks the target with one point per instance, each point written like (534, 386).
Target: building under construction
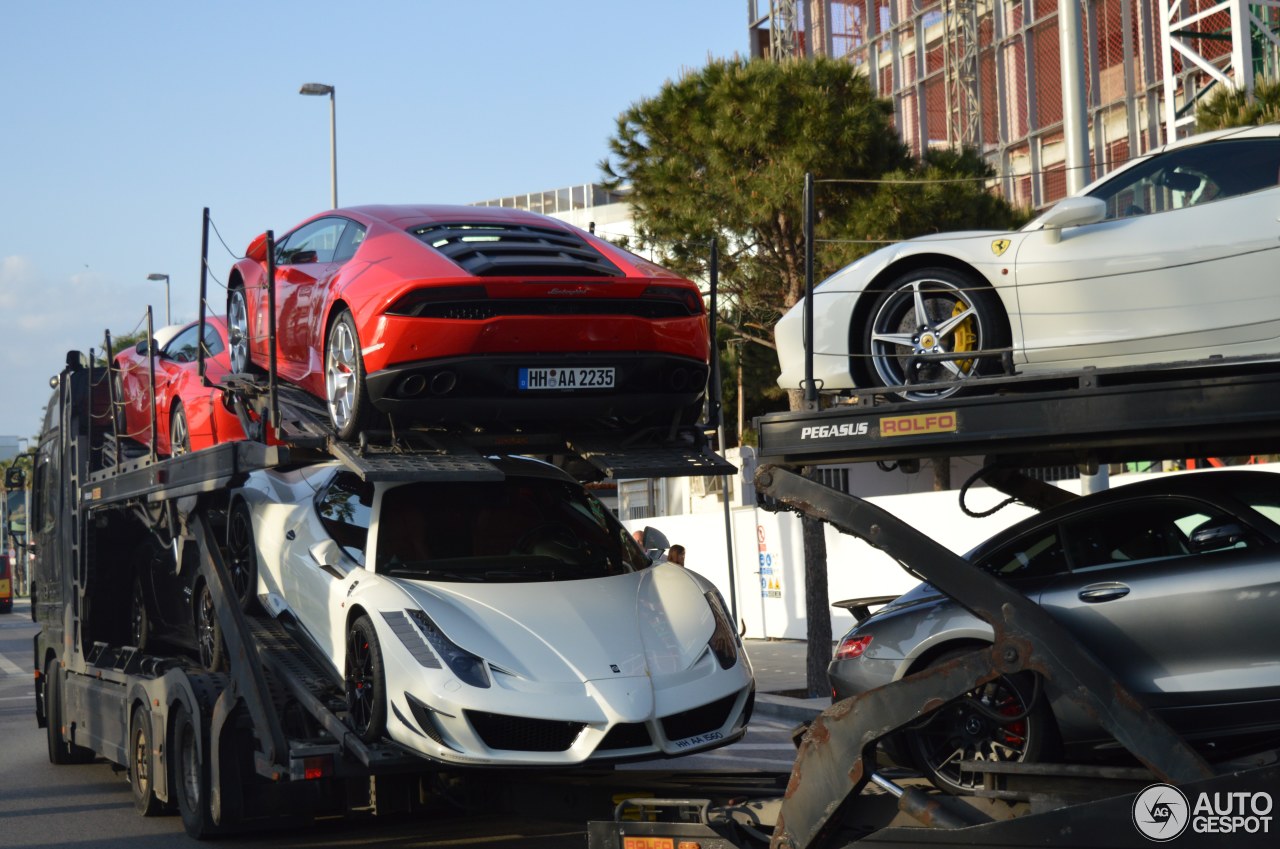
(989, 73)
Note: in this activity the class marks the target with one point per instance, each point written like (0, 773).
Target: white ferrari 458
(1169, 258)
(507, 622)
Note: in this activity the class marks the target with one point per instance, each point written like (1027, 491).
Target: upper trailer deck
(1225, 407)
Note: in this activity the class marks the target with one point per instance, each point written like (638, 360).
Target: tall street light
(168, 317)
(320, 89)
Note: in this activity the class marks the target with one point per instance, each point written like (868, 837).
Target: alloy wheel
(341, 374)
(238, 331)
(925, 317)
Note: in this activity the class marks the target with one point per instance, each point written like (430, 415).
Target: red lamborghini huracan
(471, 314)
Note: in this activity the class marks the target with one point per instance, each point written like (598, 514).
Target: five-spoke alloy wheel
(923, 317)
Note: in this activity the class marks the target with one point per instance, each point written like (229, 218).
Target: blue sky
(121, 121)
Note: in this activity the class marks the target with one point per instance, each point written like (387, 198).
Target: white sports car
(513, 622)
(1171, 257)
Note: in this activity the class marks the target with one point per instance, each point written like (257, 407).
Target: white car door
(340, 512)
(1183, 266)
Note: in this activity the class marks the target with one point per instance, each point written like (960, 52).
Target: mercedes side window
(316, 242)
(1035, 555)
(1142, 531)
(345, 507)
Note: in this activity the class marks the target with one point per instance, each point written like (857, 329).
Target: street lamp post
(168, 316)
(321, 89)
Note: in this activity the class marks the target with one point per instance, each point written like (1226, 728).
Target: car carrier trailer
(264, 737)
(837, 793)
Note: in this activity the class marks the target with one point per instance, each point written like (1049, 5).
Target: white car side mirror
(1072, 212)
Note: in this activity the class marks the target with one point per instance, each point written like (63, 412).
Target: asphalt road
(90, 806)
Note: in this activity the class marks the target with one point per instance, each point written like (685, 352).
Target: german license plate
(532, 379)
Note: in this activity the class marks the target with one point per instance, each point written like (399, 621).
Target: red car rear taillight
(851, 647)
(690, 299)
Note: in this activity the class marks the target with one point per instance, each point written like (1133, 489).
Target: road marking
(8, 667)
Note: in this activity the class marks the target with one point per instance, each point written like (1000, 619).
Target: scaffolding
(987, 73)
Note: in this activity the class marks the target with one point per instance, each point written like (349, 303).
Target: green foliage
(759, 381)
(723, 152)
(1228, 107)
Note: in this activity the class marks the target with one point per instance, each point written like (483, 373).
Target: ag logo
(999, 246)
(1160, 812)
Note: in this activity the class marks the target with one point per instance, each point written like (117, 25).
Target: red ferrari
(189, 416)
(478, 314)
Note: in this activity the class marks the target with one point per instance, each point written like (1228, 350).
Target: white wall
(854, 569)
(770, 543)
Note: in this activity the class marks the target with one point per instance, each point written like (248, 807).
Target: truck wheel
(60, 751)
(213, 653)
(190, 779)
(365, 682)
(141, 764)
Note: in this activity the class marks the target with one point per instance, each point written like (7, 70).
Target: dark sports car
(1172, 582)
(470, 314)
(189, 415)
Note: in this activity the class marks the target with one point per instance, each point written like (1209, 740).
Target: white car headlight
(469, 668)
(724, 641)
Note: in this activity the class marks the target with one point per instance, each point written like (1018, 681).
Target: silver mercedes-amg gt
(1173, 583)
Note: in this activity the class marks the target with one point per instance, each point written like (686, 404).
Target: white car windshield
(518, 529)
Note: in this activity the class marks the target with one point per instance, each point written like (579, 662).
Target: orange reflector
(688, 844)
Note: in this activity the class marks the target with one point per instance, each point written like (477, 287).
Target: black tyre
(139, 619)
(365, 682)
(932, 311)
(242, 555)
(118, 417)
(142, 764)
(966, 730)
(213, 652)
(60, 750)
(345, 393)
(179, 430)
(190, 774)
(238, 331)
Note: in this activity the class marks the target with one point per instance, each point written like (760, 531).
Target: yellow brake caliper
(965, 338)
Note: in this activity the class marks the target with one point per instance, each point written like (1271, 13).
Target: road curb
(775, 706)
